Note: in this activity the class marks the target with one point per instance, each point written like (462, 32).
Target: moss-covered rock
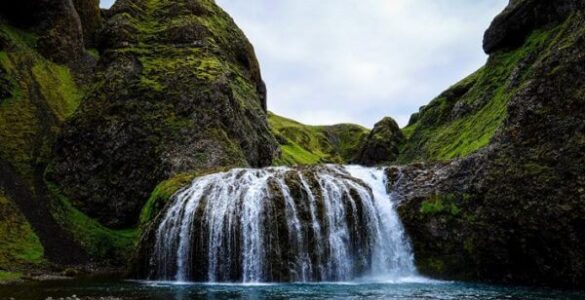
(302, 144)
(19, 245)
(382, 144)
(513, 210)
(179, 90)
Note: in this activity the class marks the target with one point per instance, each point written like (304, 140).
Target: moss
(466, 117)
(44, 94)
(431, 265)
(305, 145)
(94, 53)
(19, 244)
(161, 194)
(9, 276)
(441, 204)
(97, 240)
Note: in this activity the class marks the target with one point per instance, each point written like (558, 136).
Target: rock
(511, 28)
(91, 20)
(188, 97)
(382, 144)
(512, 209)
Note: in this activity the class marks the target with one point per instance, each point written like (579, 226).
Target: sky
(356, 61)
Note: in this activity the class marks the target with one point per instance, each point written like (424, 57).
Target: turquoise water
(169, 291)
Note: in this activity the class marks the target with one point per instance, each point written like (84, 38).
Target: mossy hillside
(305, 145)
(179, 89)
(464, 119)
(512, 212)
(100, 242)
(42, 95)
(19, 246)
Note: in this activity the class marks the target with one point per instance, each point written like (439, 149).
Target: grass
(9, 276)
(306, 145)
(439, 135)
(161, 194)
(19, 245)
(40, 89)
(98, 240)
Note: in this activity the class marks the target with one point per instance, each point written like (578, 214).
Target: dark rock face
(512, 212)
(91, 20)
(382, 144)
(56, 22)
(179, 90)
(521, 17)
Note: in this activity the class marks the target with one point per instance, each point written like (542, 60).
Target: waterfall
(326, 223)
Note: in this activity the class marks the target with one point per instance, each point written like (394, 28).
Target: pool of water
(404, 289)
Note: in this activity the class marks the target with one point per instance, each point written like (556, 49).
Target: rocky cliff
(511, 209)
(97, 108)
(178, 90)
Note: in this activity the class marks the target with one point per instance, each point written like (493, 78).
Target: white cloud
(359, 60)
(330, 61)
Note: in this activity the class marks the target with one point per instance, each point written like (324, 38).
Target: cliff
(510, 209)
(97, 108)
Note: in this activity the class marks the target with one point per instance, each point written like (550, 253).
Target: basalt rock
(382, 144)
(178, 90)
(513, 211)
(522, 17)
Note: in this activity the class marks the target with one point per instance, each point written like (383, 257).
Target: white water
(331, 223)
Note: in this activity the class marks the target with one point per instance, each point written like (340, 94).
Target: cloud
(331, 61)
(359, 60)
(106, 3)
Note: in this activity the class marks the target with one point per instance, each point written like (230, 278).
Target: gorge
(137, 141)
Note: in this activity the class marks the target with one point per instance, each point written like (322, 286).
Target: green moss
(161, 194)
(440, 204)
(97, 240)
(482, 98)
(9, 276)
(431, 265)
(94, 53)
(19, 244)
(305, 145)
(43, 95)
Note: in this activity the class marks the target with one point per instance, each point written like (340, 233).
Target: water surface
(351, 290)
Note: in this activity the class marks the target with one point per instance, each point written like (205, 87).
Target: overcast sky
(337, 61)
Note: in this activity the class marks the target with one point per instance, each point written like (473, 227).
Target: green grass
(161, 194)
(40, 89)
(306, 145)
(439, 135)
(9, 276)
(98, 240)
(19, 245)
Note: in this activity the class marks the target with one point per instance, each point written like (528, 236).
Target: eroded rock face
(382, 144)
(178, 90)
(56, 22)
(511, 28)
(91, 20)
(512, 212)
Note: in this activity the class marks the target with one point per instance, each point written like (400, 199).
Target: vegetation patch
(305, 145)
(98, 240)
(19, 245)
(464, 118)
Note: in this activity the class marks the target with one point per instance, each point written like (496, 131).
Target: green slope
(304, 144)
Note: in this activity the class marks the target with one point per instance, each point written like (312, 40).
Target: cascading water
(329, 223)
